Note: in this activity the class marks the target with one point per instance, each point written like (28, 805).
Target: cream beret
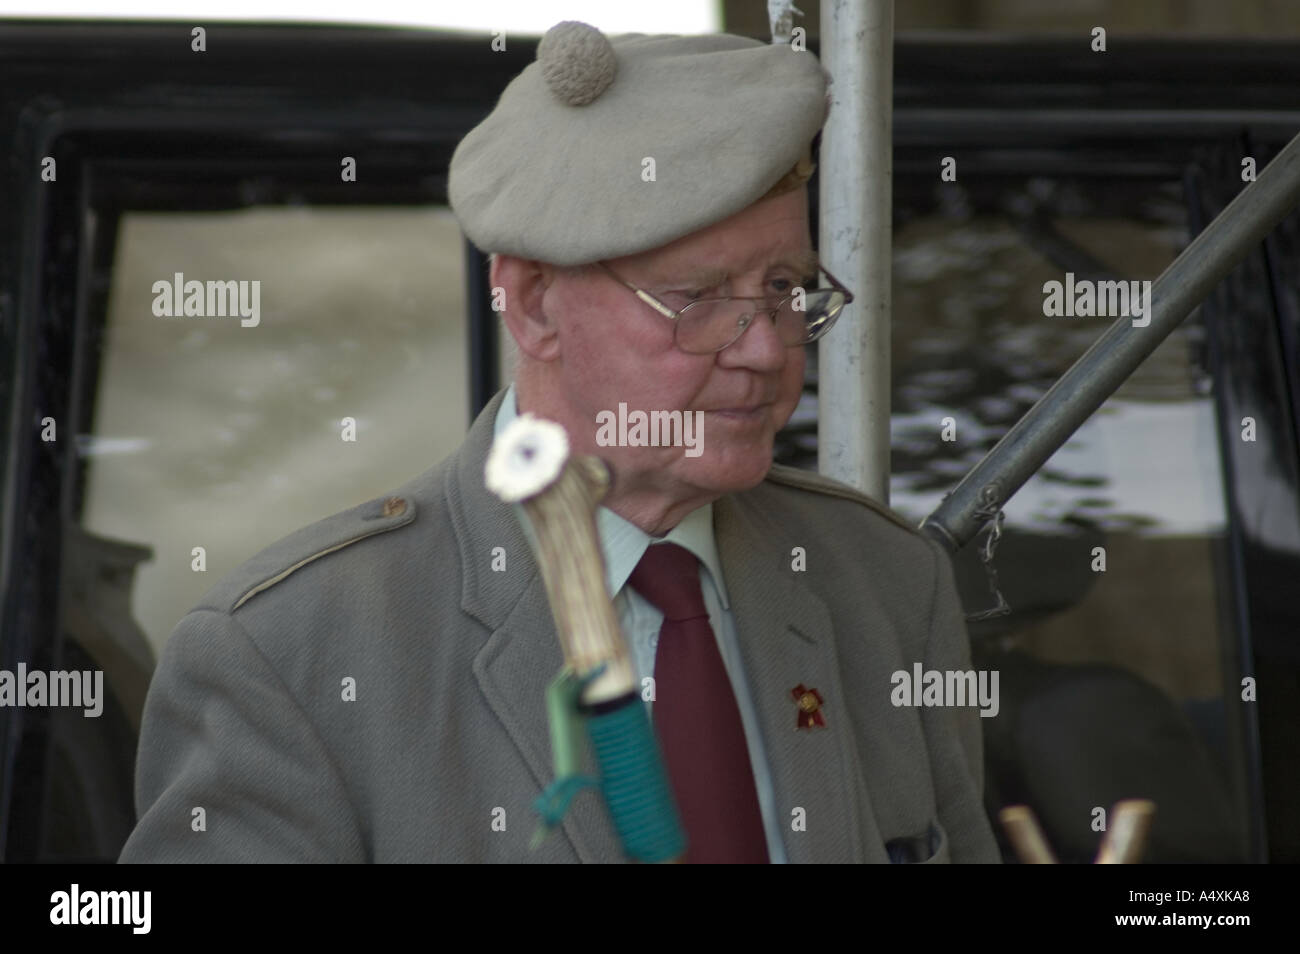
(558, 171)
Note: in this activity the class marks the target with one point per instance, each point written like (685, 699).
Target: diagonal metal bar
(1119, 350)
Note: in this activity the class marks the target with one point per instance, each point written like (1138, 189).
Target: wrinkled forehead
(767, 236)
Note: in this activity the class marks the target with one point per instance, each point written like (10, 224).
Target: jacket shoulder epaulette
(285, 557)
(816, 483)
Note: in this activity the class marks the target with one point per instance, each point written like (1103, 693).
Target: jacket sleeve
(954, 735)
(222, 732)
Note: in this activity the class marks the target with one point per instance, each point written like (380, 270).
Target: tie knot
(668, 576)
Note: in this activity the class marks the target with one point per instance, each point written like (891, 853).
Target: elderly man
(373, 687)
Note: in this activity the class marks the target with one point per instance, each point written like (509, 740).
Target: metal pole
(856, 209)
(1119, 350)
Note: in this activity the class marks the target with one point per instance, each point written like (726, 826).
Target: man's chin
(730, 476)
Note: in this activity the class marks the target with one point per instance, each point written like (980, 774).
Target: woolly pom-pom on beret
(577, 62)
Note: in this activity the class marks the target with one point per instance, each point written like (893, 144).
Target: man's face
(614, 348)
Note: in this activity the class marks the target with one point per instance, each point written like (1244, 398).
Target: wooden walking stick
(530, 464)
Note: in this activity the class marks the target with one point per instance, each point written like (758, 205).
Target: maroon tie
(696, 717)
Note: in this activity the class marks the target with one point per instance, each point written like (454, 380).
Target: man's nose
(759, 346)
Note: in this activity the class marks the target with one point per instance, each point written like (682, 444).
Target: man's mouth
(750, 413)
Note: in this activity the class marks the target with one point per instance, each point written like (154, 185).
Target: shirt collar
(624, 543)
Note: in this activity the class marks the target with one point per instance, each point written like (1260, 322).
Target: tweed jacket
(370, 689)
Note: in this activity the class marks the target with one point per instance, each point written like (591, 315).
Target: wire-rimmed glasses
(707, 325)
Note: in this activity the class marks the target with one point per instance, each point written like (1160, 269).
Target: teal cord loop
(554, 801)
(632, 777)
(567, 735)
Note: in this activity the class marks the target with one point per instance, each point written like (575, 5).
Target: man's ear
(524, 283)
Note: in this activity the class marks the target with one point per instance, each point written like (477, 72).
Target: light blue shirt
(623, 544)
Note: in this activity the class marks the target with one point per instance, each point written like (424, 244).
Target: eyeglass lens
(710, 325)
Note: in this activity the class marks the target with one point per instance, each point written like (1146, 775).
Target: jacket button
(394, 506)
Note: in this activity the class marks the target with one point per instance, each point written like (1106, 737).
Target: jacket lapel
(786, 640)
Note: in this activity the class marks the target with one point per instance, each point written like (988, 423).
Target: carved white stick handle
(530, 464)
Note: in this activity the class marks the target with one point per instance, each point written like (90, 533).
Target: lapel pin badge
(809, 703)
